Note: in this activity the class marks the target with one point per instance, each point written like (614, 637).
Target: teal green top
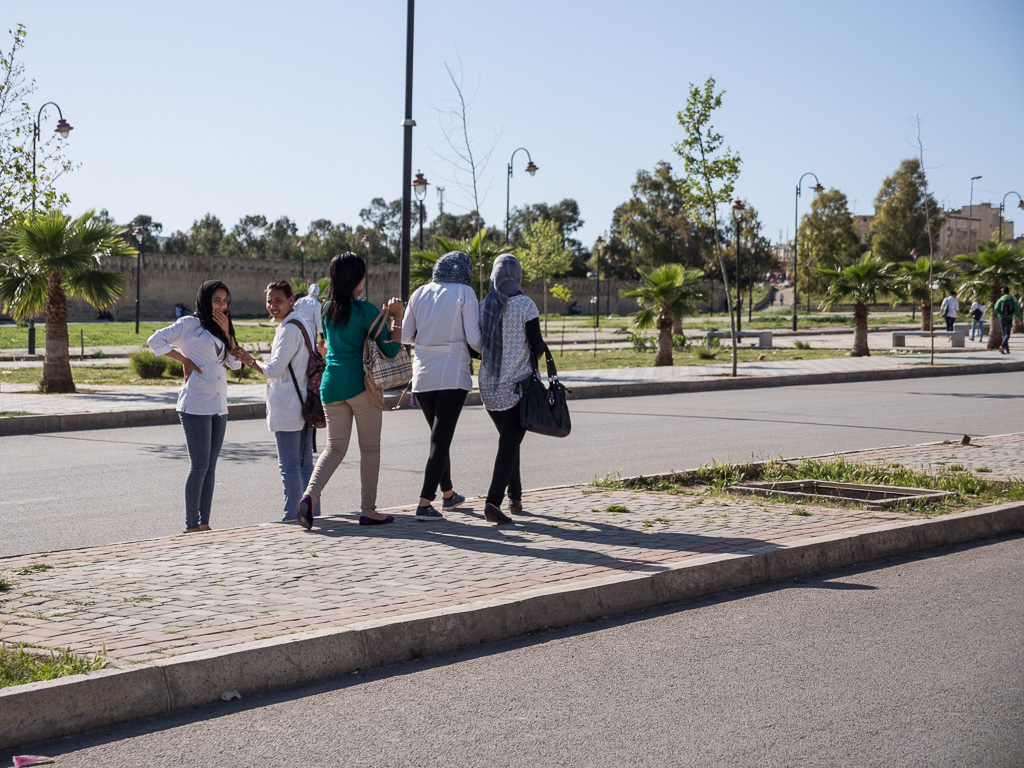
(343, 378)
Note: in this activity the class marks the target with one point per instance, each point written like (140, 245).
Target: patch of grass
(122, 334)
(704, 353)
(139, 599)
(5, 583)
(616, 508)
(801, 344)
(19, 666)
(92, 375)
(28, 570)
(968, 489)
(8, 414)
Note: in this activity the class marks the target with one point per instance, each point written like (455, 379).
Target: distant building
(966, 227)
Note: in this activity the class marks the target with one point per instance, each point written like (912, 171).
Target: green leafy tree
(207, 236)
(828, 237)
(667, 294)
(480, 247)
(17, 119)
(544, 256)
(566, 214)
(149, 228)
(917, 280)
(711, 172)
(985, 273)
(386, 220)
(49, 260)
(901, 217)
(859, 281)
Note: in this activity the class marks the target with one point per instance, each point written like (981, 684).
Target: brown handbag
(382, 372)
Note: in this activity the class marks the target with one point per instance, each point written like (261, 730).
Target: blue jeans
(980, 326)
(204, 436)
(295, 459)
(1007, 325)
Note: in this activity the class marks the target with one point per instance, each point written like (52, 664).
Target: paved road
(912, 662)
(74, 489)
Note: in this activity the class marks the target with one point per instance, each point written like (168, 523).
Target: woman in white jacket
(286, 382)
(203, 343)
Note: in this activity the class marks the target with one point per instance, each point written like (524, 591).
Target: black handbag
(544, 409)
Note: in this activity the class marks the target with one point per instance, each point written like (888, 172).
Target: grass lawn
(119, 334)
(18, 665)
(112, 374)
(969, 490)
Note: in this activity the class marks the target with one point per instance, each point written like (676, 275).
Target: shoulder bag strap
(381, 319)
(305, 336)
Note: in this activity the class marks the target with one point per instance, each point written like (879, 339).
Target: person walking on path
(978, 320)
(286, 380)
(1006, 308)
(949, 309)
(204, 343)
(343, 390)
(442, 323)
(510, 329)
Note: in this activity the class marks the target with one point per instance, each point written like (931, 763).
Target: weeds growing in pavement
(18, 665)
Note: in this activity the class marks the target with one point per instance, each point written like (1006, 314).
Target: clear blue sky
(295, 108)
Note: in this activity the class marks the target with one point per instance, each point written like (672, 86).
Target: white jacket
(284, 409)
(206, 393)
(310, 310)
(441, 322)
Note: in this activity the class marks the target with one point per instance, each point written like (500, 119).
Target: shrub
(174, 369)
(146, 365)
(704, 353)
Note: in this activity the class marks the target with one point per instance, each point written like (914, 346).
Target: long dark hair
(204, 311)
(347, 271)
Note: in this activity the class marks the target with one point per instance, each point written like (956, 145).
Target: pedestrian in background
(978, 320)
(442, 323)
(286, 386)
(204, 343)
(510, 330)
(1006, 308)
(343, 389)
(949, 309)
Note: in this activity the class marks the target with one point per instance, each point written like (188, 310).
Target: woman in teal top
(347, 321)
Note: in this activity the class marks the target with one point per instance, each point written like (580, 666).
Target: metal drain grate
(868, 496)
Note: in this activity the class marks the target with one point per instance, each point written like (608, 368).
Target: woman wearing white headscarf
(510, 327)
(442, 323)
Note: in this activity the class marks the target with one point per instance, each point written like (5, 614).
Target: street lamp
(970, 216)
(62, 128)
(366, 280)
(1002, 207)
(302, 258)
(138, 233)
(530, 169)
(750, 282)
(737, 208)
(419, 186)
(796, 234)
(597, 274)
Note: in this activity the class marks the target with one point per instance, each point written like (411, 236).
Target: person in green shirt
(347, 319)
(1006, 308)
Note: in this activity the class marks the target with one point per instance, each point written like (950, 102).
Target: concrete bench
(966, 328)
(764, 338)
(899, 338)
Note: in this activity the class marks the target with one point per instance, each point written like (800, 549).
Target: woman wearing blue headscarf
(442, 323)
(510, 327)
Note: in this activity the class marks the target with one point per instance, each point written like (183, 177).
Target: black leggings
(441, 408)
(506, 463)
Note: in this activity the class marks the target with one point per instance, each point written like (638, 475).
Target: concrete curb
(56, 708)
(27, 425)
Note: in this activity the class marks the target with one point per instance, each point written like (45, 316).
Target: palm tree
(859, 281)
(481, 254)
(50, 259)
(985, 273)
(917, 279)
(668, 292)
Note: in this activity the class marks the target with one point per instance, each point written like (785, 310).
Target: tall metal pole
(408, 125)
(796, 236)
(750, 284)
(739, 295)
(138, 285)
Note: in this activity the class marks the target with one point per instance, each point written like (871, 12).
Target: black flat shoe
(364, 520)
(516, 507)
(494, 515)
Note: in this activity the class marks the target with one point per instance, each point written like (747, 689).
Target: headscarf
(506, 282)
(204, 311)
(453, 267)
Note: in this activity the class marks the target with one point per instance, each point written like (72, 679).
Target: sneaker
(515, 507)
(305, 513)
(364, 520)
(428, 513)
(455, 500)
(494, 515)
(289, 519)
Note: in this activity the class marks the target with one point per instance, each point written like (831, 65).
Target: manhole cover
(869, 496)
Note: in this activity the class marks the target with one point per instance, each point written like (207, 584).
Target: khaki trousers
(340, 416)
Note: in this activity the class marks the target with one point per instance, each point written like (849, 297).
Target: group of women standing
(445, 326)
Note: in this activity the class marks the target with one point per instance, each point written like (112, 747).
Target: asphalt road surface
(73, 489)
(915, 661)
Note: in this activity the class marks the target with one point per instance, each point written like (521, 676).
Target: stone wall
(169, 279)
